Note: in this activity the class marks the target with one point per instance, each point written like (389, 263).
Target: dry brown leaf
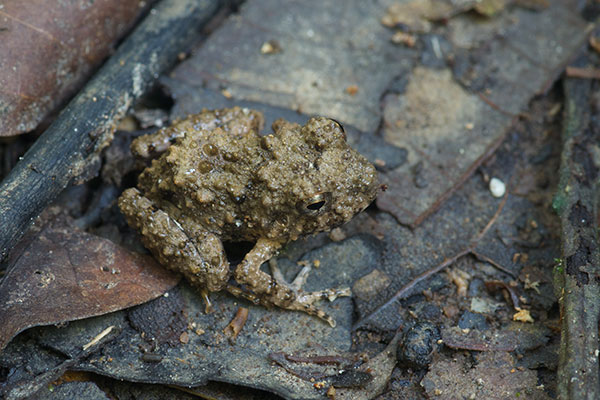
(49, 48)
(62, 274)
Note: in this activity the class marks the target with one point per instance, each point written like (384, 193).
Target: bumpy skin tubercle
(221, 181)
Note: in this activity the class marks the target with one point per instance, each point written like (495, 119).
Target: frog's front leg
(200, 259)
(273, 289)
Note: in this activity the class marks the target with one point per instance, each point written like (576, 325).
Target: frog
(214, 179)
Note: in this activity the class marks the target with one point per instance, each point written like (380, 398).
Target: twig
(236, 325)
(577, 277)
(496, 107)
(585, 73)
(70, 147)
(98, 338)
(281, 360)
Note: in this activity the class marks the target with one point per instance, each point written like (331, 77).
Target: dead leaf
(494, 377)
(487, 87)
(512, 337)
(211, 356)
(381, 367)
(49, 49)
(62, 274)
(162, 320)
(476, 340)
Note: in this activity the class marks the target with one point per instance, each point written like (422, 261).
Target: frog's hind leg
(273, 289)
(200, 259)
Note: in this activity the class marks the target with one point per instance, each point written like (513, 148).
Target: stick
(577, 276)
(66, 152)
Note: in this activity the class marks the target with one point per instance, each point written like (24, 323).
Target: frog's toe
(304, 301)
(285, 297)
(294, 298)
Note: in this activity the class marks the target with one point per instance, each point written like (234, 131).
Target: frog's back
(204, 178)
(234, 122)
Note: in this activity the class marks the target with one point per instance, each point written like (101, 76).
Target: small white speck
(310, 33)
(497, 187)
(435, 44)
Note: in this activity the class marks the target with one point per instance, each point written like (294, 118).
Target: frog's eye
(315, 205)
(341, 128)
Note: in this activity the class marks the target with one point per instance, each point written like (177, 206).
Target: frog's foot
(291, 296)
(273, 289)
(301, 301)
(298, 282)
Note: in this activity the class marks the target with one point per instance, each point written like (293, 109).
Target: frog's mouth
(316, 204)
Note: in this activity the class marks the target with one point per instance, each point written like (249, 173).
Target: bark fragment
(578, 275)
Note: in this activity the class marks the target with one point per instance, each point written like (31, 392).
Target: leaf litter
(384, 251)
